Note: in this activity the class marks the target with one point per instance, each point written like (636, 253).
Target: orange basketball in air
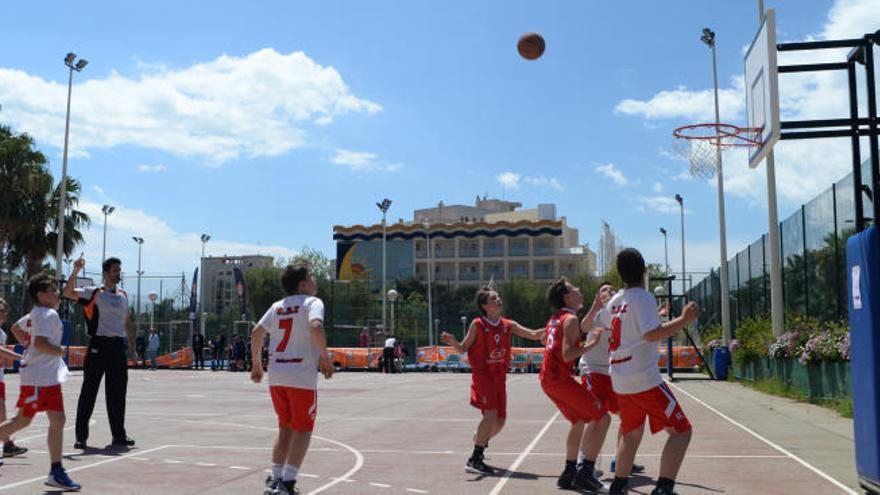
(530, 46)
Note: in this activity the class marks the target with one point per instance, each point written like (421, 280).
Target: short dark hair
(39, 283)
(483, 297)
(631, 266)
(556, 293)
(606, 282)
(292, 276)
(109, 262)
(3, 304)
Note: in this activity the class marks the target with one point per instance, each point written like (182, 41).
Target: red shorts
(658, 404)
(573, 401)
(33, 399)
(489, 392)
(296, 408)
(600, 386)
(2, 390)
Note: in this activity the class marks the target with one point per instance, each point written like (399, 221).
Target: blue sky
(265, 124)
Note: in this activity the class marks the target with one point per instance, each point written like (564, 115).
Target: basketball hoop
(699, 144)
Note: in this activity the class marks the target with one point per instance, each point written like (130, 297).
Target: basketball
(530, 46)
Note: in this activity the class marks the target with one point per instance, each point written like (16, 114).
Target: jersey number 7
(286, 325)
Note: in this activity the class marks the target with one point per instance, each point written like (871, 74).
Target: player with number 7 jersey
(297, 351)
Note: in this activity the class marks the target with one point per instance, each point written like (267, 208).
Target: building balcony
(468, 253)
(444, 253)
(493, 252)
(543, 251)
(469, 276)
(543, 273)
(518, 250)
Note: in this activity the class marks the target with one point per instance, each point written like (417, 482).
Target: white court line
(304, 475)
(81, 468)
(380, 485)
(522, 456)
(800, 461)
(358, 464)
(205, 464)
(413, 490)
(242, 468)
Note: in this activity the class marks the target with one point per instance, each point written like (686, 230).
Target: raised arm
(70, 287)
(526, 333)
(463, 346)
(571, 337)
(691, 312)
(598, 304)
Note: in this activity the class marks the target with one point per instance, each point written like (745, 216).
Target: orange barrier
(355, 357)
(682, 357)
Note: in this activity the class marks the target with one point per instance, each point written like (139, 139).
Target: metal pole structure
(106, 209)
(665, 249)
(140, 243)
(709, 39)
(777, 316)
(463, 327)
(201, 294)
(383, 206)
(680, 201)
(62, 205)
(430, 311)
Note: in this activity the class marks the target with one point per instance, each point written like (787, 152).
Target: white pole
(62, 206)
(777, 314)
(104, 245)
(139, 272)
(384, 263)
(430, 310)
(683, 271)
(725, 297)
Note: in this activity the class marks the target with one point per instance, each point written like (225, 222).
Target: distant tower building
(608, 249)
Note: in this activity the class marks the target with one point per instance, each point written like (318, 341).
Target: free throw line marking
(797, 459)
(522, 456)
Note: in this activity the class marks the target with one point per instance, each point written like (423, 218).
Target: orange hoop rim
(729, 134)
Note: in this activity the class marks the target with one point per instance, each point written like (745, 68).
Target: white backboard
(762, 90)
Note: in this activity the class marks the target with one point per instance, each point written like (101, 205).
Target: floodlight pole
(665, 249)
(107, 210)
(680, 201)
(428, 264)
(709, 39)
(383, 207)
(777, 315)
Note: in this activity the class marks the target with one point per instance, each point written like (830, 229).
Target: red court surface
(211, 432)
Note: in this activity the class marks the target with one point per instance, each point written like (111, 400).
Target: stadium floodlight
(708, 37)
(62, 207)
(106, 209)
(81, 64)
(140, 243)
(665, 249)
(383, 207)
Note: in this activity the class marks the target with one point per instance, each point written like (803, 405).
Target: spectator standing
(221, 345)
(364, 338)
(198, 345)
(215, 352)
(153, 347)
(140, 347)
(388, 354)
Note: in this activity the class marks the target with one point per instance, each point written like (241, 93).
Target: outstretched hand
(79, 263)
(691, 312)
(448, 339)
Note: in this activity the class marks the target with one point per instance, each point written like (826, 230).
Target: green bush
(753, 339)
(710, 337)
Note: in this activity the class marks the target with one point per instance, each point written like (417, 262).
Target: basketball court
(211, 432)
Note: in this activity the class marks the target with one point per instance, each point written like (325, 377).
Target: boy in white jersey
(635, 330)
(9, 448)
(297, 349)
(42, 373)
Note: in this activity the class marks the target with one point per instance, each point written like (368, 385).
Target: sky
(264, 124)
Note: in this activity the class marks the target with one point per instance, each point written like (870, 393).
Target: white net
(700, 154)
(700, 145)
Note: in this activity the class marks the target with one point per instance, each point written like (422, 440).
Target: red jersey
(554, 368)
(490, 352)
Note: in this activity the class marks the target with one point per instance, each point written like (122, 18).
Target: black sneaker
(596, 471)
(566, 479)
(477, 466)
(585, 480)
(663, 491)
(80, 445)
(123, 442)
(271, 486)
(12, 450)
(287, 488)
(637, 468)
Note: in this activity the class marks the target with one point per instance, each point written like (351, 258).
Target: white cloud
(98, 189)
(660, 204)
(151, 168)
(804, 168)
(363, 161)
(613, 173)
(541, 181)
(260, 104)
(509, 180)
(658, 187)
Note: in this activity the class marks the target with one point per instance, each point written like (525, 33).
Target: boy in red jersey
(578, 405)
(297, 353)
(635, 330)
(487, 344)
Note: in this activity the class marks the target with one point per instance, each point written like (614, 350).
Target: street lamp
(430, 310)
(204, 238)
(708, 38)
(680, 202)
(665, 249)
(140, 243)
(62, 206)
(383, 207)
(106, 209)
(392, 296)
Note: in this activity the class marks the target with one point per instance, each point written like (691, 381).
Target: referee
(108, 320)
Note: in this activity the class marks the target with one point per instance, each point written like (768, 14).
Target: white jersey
(39, 368)
(293, 355)
(596, 359)
(634, 360)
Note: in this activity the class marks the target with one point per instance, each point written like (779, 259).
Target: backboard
(762, 90)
